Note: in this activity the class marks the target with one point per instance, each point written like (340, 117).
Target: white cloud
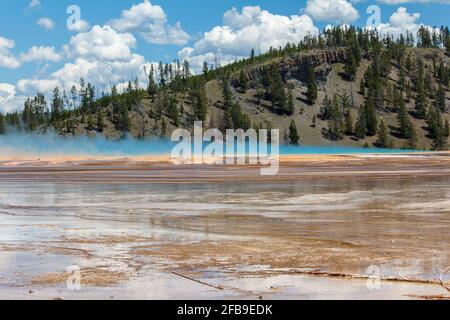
(31, 86)
(253, 28)
(46, 23)
(9, 101)
(102, 43)
(34, 4)
(7, 60)
(332, 11)
(150, 21)
(400, 22)
(80, 26)
(39, 53)
(101, 56)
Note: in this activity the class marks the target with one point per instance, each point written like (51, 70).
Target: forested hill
(345, 87)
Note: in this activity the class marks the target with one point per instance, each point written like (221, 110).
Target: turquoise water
(54, 144)
(290, 150)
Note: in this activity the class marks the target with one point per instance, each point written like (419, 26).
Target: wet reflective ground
(314, 238)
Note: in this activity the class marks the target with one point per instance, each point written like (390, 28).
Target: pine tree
(2, 124)
(412, 143)
(383, 140)
(205, 69)
(100, 121)
(361, 123)
(243, 81)
(124, 120)
(311, 84)
(56, 106)
(349, 123)
(90, 122)
(351, 67)
(276, 89)
(336, 124)
(421, 104)
(439, 100)
(371, 119)
(294, 137)
(163, 127)
(173, 111)
(326, 109)
(404, 124)
(290, 109)
(152, 85)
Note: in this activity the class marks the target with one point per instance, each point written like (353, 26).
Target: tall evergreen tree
(100, 121)
(404, 124)
(336, 124)
(440, 99)
(384, 140)
(290, 109)
(294, 137)
(311, 85)
(412, 143)
(152, 85)
(2, 124)
(243, 81)
(276, 89)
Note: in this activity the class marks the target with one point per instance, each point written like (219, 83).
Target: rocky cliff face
(294, 67)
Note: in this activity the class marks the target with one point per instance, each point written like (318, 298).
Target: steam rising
(14, 145)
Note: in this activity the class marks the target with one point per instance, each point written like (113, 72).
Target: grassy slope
(334, 84)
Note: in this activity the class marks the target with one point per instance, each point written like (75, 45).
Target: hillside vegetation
(344, 87)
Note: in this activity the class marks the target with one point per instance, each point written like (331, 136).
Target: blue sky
(116, 39)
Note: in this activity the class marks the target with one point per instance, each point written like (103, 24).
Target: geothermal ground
(326, 227)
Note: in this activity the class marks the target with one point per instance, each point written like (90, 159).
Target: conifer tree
(326, 109)
(2, 124)
(412, 143)
(404, 124)
(294, 137)
(152, 85)
(163, 127)
(311, 85)
(90, 122)
(349, 123)
(290, 103)
(276, 89)
(440, 100)
(351, 67)
(336, 124)
(384, 140)
(371, 119)
(243, 81)
(421, 104)
(100, 121)
(361, 123)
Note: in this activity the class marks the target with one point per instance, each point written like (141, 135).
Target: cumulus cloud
(40, 53)
(9, 101)
(34, 4)
(79, 26)
(401, 22)
(46, 23)
(253, 28)
(7, 60)
(332, 11)
(102, 56)
(150, 21)
(101, 43)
